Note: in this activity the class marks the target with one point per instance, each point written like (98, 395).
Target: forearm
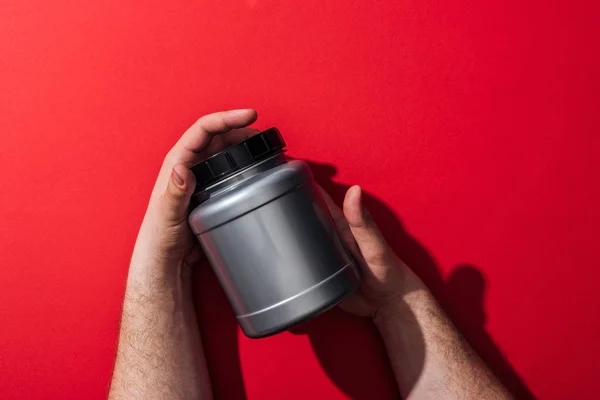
(160, 354)
(430, 358)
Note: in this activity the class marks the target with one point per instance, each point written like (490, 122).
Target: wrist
(153, 273)
(401, 308)
(157, 277)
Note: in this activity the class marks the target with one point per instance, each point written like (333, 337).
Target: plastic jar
(268, 235)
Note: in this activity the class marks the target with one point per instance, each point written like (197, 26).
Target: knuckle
(172, 194)
(379, 252)
(213, 123)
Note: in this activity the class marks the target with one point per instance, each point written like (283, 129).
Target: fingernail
(176, 176)
(364, 212)
(358, 191)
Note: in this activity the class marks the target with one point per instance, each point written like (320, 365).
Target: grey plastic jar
(268, 235)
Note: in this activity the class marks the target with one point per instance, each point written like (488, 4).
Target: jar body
(274, 248)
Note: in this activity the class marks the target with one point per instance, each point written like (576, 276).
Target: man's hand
(385, 278)
(165, 241)
(429, 356)
(160, 354)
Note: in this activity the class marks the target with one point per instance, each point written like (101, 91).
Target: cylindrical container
(267, 232)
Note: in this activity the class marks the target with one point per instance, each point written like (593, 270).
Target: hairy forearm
(159, 355)
(430, 358)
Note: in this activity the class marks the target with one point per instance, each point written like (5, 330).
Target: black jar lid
(239, 156)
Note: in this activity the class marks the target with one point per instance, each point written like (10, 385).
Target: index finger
(188, 150)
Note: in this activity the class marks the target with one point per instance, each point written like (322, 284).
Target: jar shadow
(462, 296)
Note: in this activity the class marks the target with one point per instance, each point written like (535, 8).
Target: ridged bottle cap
(237, 157)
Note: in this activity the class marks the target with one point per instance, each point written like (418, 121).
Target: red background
(475, 123)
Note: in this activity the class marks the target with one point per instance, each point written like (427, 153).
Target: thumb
(176, 199)
(370, 241)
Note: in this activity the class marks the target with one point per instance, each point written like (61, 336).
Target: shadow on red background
(336, 336)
